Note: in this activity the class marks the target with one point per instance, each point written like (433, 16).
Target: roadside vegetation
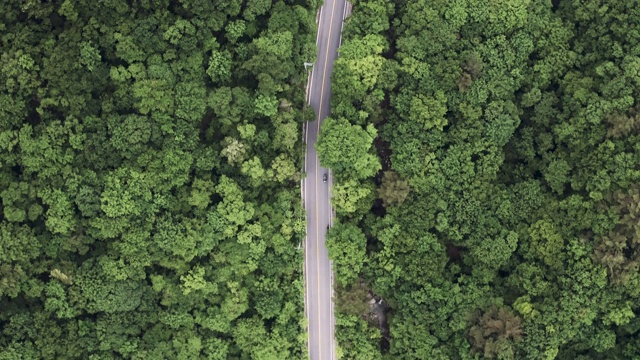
(490, 191)
(149, 178)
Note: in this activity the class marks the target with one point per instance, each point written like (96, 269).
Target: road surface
(318, 275)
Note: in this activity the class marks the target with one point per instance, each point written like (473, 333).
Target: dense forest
(149, 174)
(489, 199)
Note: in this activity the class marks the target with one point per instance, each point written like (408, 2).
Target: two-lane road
(318, 274)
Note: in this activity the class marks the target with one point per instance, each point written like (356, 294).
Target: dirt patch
(378, 317)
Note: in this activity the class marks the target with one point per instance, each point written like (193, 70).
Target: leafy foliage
(346, 245)
(345, 148)
(507, 220)
(146, 164)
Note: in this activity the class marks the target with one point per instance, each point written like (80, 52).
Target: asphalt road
(318, 275)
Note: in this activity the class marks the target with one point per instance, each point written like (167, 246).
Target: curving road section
(318, 274)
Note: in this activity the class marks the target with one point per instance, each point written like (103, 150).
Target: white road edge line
(306, 141)
(344, 16)
(306, 237)
(332, 321)
(324, 77)
(310, 83)
(331, 213)
(303, 185)
(318, 19)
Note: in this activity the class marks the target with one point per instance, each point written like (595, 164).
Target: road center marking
(324, 76)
